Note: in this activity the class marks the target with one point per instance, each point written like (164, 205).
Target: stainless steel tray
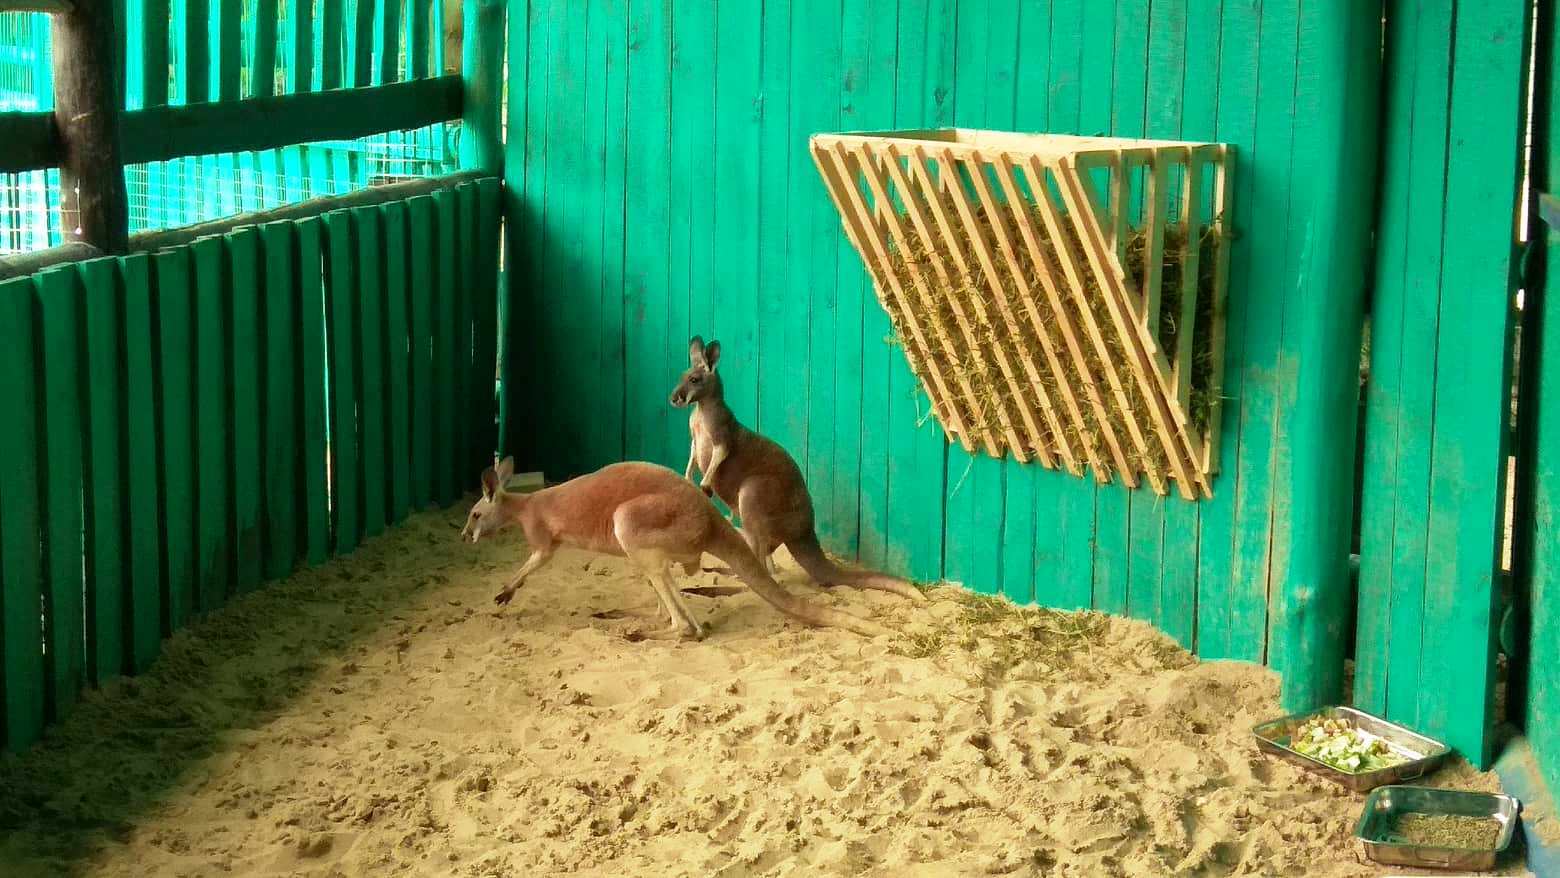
(1385, 804)
(1422, 754)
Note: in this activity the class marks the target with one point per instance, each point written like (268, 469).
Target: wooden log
(154, 241)
(24, 264)
(482, 144)
(160, 133)
(86, 115)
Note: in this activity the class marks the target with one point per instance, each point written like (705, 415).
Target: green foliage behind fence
(184, 425)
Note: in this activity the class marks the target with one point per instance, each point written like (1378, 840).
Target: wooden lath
(1051, 290)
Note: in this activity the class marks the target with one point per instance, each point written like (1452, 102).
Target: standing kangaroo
(643, 512)
(754, 476)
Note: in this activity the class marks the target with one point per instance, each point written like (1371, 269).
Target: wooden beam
(160, 133)
(32, 262)
(31, 142)
(93, 204)
(151, 242)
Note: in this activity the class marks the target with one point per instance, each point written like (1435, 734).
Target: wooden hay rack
(1058, 297)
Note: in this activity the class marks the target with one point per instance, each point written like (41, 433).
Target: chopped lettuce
(1342, 746)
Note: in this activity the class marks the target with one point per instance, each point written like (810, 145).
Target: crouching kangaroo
(647, 514)
(758, 479)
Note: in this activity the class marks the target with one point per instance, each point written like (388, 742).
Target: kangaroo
(643, 512)
(754, 476)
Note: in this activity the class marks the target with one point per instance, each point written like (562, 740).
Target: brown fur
(757, 478)
(647, 514)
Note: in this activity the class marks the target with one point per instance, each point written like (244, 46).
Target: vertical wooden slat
(262, 70)
(390, 20)
(23, 681)
(229, 45)
(420, 224)
(143, 505)
(315, 450)
(332, 37)
(1191, 275)
(155, 18)
(446, 459)
(247, 338)
(398, 362)
(104, 472)
(280, 380)
(59, 321)
(465, 256)
(213, 429)
(176, 409)
(372, 409)
(341, 296)
(363, 44)
(418, 39)
(300, 45)
(485, 320)
(1154, 207)
(196, 69)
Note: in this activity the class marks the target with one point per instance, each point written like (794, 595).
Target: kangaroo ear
(505, 469)
(711, 354)
(696, 351)
(490, 483)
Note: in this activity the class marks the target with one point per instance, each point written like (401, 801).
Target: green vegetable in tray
(1342, 746)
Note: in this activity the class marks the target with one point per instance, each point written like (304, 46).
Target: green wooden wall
(185, 425)
(660, 188)
(1436, 436)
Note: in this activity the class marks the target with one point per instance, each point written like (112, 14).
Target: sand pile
(378, 716)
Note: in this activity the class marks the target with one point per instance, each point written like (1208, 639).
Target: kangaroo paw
(713, 591)
(504, 597)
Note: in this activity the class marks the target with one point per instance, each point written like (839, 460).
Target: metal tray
(1423, 754)
(1384, 804)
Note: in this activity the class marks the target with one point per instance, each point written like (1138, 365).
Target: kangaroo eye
(697, 379)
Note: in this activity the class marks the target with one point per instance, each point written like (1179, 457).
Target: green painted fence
(661, 188)
(185, 425)
(1436, 433)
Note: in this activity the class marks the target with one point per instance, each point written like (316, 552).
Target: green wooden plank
(104, 472)
(819, 58)
(23, 681)
(195, 66)
(487, 319)
(461, 375)
(583, 251)
(213, 430)
(280, 381)
(1468, 446)
(363, 43)
(247, 334)
(176, 410)
(313, 415)
(153, 39)
(341, 308)
(373, 413)
(419, 38)
(332, 36)
(1260, 385)
(647, 417)
(390, 17)
(447, 466)
(61, 355)
(143, 505)
(421, 252)
(612, 397)
(398, 362)
(262, 60)
(299, 60)
(511, 291)
(1237, 115)
(227, 40)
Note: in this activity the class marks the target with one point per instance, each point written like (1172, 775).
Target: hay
(991, 395)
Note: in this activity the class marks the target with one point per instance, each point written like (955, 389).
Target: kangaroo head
(488, 514)
(700, 381)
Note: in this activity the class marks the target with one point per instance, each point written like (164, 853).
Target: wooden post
(86, 112)
(1311, 591)
(482, 73)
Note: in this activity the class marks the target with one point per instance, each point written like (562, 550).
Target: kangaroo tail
(810, 555)
(730, 548)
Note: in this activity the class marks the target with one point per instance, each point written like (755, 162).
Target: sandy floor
(378, 716)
